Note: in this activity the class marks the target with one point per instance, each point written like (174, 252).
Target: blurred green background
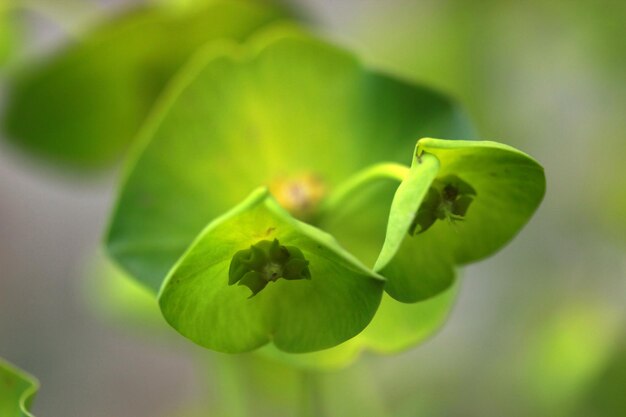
(538, 329)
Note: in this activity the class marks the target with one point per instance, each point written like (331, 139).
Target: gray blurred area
(546, 78)
(50, 227)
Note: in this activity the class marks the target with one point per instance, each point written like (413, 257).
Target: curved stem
(388, 170)
(231, 391)
(312, 401)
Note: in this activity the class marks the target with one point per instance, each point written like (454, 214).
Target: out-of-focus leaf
(395, 327)
(182, 4)
(115, 297)
(242, 117)
(83, 106)
(335, 303)
(606, 396)
(6, 32)
(17, 391)
(503, 186)
(567, 353)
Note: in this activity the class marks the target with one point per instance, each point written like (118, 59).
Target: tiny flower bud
(267, 261)
(447, 198)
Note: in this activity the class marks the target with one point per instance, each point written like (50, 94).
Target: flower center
(448, 198)
(272, 271)
(299, 195)
(267, 261)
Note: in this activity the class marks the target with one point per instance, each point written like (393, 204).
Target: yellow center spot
(299, 195)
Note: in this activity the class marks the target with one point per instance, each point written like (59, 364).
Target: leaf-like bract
(505, 187)
(395, 327)
(336, 301)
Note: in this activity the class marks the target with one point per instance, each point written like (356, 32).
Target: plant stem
(389, 170)
(227, 375)
(312, 396)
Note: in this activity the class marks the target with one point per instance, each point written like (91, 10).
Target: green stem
(388, 170)
(312, 398)
(372, 391)
(229, 381)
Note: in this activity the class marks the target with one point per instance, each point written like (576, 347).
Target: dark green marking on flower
(267, 261)
(448, 198)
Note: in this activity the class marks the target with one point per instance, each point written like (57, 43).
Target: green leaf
(335, 301)
(17, 391)
(396, 327)
(283, 107)
(83, 106)
(502, 187)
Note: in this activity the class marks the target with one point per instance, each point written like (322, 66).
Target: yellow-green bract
(508, 186)
(297, 316)
(17, 391)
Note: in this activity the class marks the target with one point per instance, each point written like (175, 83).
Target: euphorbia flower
(338, 213)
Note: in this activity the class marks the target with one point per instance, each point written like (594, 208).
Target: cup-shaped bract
(461, 202)
(326, 298)
(17, 391)
(85, 104)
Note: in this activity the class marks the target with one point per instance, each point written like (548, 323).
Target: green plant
(335, 196)
(277, 197)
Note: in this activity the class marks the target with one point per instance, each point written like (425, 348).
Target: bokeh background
(537, 330)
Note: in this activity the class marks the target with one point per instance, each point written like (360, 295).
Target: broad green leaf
(283, 107)
(502, 188)
(333, 303)
(395, 327)
(84, 105)
(17, 391)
